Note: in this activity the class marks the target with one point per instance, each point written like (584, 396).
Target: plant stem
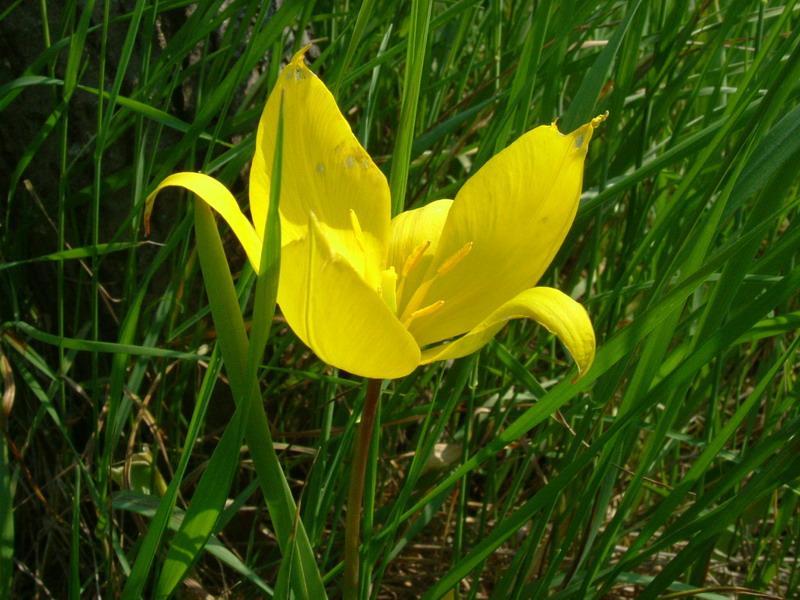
(352, 532)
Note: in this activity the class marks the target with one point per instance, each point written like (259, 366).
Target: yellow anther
(451, 262)
(423, 312)
(414, 258)
(357, 230)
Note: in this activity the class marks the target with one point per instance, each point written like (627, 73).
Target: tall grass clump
(162, 437)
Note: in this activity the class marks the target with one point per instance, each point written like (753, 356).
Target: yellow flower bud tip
(451, 262)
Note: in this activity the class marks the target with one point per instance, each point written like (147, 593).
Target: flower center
(413, 309)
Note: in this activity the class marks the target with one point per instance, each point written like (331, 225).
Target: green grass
(671, 470)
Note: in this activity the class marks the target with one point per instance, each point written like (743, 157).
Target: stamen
(423, 312)
(357, 230)
(451, 262)
(414, 258)
(416, 299)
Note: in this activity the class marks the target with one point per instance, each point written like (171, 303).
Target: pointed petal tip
(583, 134)
(299, 56)
(595, 123)
(585, 359)
(583, 370)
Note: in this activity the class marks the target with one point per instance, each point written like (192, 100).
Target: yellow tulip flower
(378, 296)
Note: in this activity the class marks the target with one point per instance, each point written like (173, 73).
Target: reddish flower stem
(352, 531)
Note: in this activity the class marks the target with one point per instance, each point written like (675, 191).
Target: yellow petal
(217, 196)
(333, 310)
(414, 239)
(559, 313)
(516, 211)
(325, 171)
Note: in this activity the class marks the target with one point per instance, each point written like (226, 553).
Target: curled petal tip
(581, 373)
(300, 55)
(583, 134)
(599, 119)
